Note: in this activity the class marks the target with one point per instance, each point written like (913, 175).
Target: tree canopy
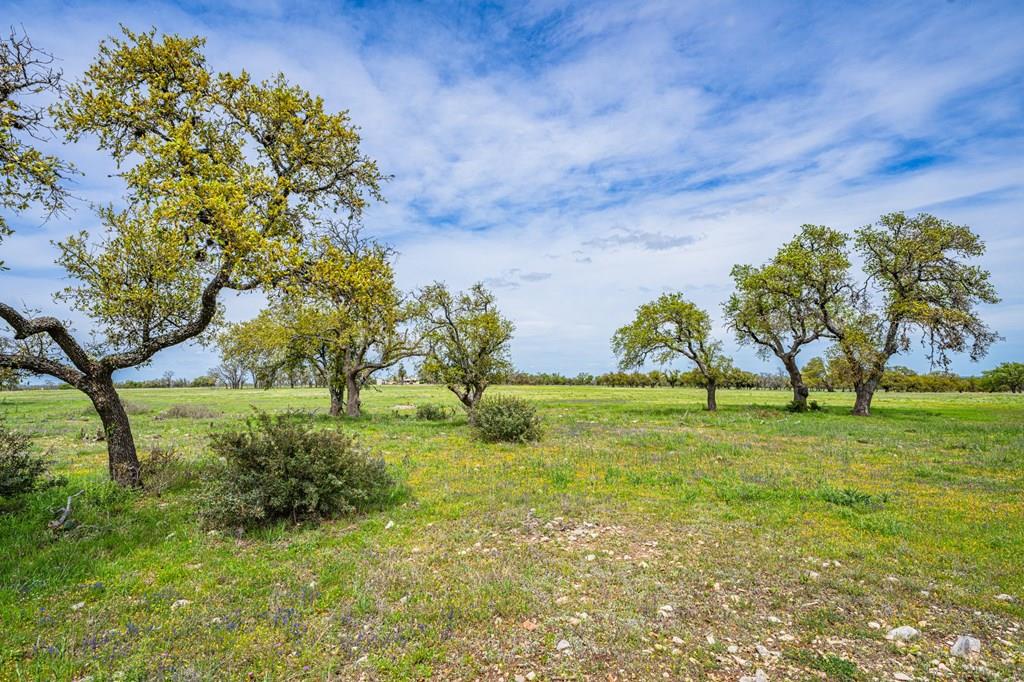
(667, 328)
(778, 307)
(918, 281)
(467, 341)
(226, 180)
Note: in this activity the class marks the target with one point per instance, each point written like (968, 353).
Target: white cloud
(582, 158)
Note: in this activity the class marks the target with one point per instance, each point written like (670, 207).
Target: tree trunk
(337, 398)
(865, 392)
(122, 459)
(796, 380)
(353, 404)
(712, 403)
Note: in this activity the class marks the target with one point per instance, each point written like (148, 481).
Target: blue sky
(581, 158)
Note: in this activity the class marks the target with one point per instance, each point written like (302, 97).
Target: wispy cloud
(652, 241)
(645, 145)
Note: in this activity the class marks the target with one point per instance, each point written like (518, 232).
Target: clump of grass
(136, 408)
(852, 498)
(188, 411)
(810, 406)
(434, 412)
(834, 667)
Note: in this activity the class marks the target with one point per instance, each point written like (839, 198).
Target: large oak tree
(224, 178)
(918, 282)
(779, 306)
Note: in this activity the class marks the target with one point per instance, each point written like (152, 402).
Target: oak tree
(918, 282)
(223, 179)
(668, 328)
(779, 306)
(467, 342)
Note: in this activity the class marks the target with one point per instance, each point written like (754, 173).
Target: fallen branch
(61, 522)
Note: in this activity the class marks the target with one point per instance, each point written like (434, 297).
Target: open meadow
(656, 539)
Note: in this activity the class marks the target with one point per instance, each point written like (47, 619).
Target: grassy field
(659, 541)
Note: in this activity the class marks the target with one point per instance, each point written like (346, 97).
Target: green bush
(276, 467)
(507, 418)
(811, 406)
(163, 469)
(21, 471)
(434, 412)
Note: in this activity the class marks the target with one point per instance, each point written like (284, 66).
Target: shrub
(21, 471)
(186, 411)
(811, 406)
(162, 469)
(434, 412)
(277, 468)
(507, 418)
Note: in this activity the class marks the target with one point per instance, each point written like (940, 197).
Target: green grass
(757, 526)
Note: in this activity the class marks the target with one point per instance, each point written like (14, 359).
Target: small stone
(181, 603)
(520, 678)
(529, 625)
(759, 676)
(763, 652)
(774, 619)
(874, 625)
(591, 557)
(1004, 597)
(677, 640)
(711, 639)
(902, 677)
(573, 620)
(531, 675)
(563, 645)
(733, 649)
(966, 646)
(904, 633)
(79, 605)
(389, 525)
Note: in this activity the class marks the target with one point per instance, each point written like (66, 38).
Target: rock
(79, 605)
(389, 525)
(903, 633)
(520, 678)
(763, 652)
(733, 649)
(874, 625)
(529, 625)
(902, 677)
(711, 639)
(531, 675)
(677, 640)
(563, 645)
(759, 676)
(181, 603)
(1004, 597)
(591, 557)
(966, 646)
(774, 619)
